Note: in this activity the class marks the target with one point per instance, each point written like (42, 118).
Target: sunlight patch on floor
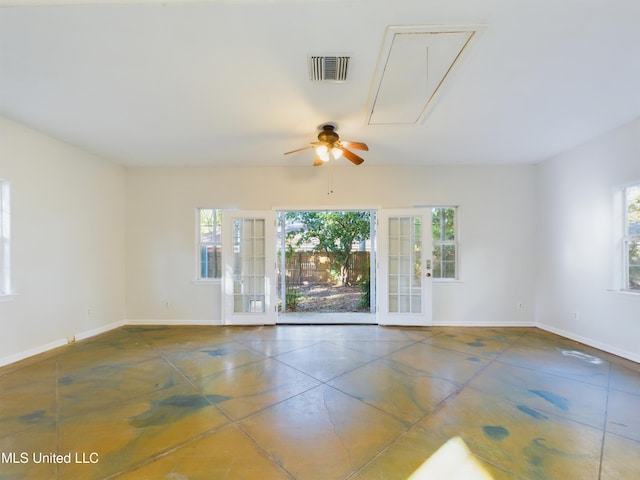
(452, 461)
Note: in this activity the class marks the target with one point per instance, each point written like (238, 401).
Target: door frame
(372, 316)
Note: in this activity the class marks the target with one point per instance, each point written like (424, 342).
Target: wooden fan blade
(318, 162)
(352, 157)
(357, 145)
(299, 149)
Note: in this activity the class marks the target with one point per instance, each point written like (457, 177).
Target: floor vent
(328, 69)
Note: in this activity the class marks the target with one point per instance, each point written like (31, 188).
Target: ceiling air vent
(328, 69)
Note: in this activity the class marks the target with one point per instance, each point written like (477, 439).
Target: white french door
(248, 278)
(404, 266)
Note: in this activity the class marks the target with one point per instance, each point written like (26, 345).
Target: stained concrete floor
(321, 402)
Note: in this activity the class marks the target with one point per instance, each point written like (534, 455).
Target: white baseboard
(484, 324)
(592, 343)
(97, 331)
(141, 321)
(32, 351)
(58, 343)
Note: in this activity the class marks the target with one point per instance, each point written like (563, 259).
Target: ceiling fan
(330, 146)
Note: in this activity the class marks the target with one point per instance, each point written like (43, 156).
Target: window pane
(436, 262)
(633, 210)
(449, 224)
(443, 225)
(206, 225)
(449, 253)
(632, 240)
(449, 270)
(210, 243)
(436, 230)
(5, 238)
(634, 265)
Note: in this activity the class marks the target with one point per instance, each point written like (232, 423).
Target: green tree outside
(333, 231)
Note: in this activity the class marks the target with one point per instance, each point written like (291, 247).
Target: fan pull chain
(330, 179)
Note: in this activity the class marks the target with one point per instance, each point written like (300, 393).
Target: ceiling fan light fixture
(330, 147)
(323, 153)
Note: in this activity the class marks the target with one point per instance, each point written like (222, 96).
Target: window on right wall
(5, 257)
(445, 242)
(631, 249)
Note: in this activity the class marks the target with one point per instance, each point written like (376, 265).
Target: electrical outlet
(521, 306)
(576, 316)
(71, 339)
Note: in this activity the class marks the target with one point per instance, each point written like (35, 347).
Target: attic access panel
(413, 66)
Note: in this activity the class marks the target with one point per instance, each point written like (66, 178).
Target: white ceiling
(226, 82)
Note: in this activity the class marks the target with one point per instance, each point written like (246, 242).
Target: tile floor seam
(318, 379)
(266, 453)
(453, 394)
(122, 400)
(168, 451)
(239, 420)
(377, 454)
(405, 423)
(497, 360)
(158, 351)
(451, 349)
(548, 372)
(249, 415)
(178, 370)
(273, 356)
(604, 427)
(546, 411)
(626, 392)
(215, 405)
(501, 467)
(621, 435)
(188, 379)
(57, 419)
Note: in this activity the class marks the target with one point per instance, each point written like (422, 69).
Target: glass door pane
(248, 260)
(405, 265)
(249, 273)
(405, 280)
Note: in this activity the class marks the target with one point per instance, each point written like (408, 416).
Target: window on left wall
(209, 249)
(631, 240)
(5, 242)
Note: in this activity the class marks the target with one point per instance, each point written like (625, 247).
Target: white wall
(84, 229)
(67, 225)
(496, 238)
(577, 247)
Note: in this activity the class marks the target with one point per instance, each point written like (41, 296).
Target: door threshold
(327, 318)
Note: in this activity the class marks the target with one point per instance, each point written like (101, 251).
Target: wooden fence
(316, 267)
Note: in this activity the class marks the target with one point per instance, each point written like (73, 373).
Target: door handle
(428, 274)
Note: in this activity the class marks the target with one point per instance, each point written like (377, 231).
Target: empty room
(322, 239)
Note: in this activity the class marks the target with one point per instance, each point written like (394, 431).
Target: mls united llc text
(51, 457)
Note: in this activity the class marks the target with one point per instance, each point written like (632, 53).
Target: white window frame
(454, 243)
(627, 238)
(6, 292)
(200, 242)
